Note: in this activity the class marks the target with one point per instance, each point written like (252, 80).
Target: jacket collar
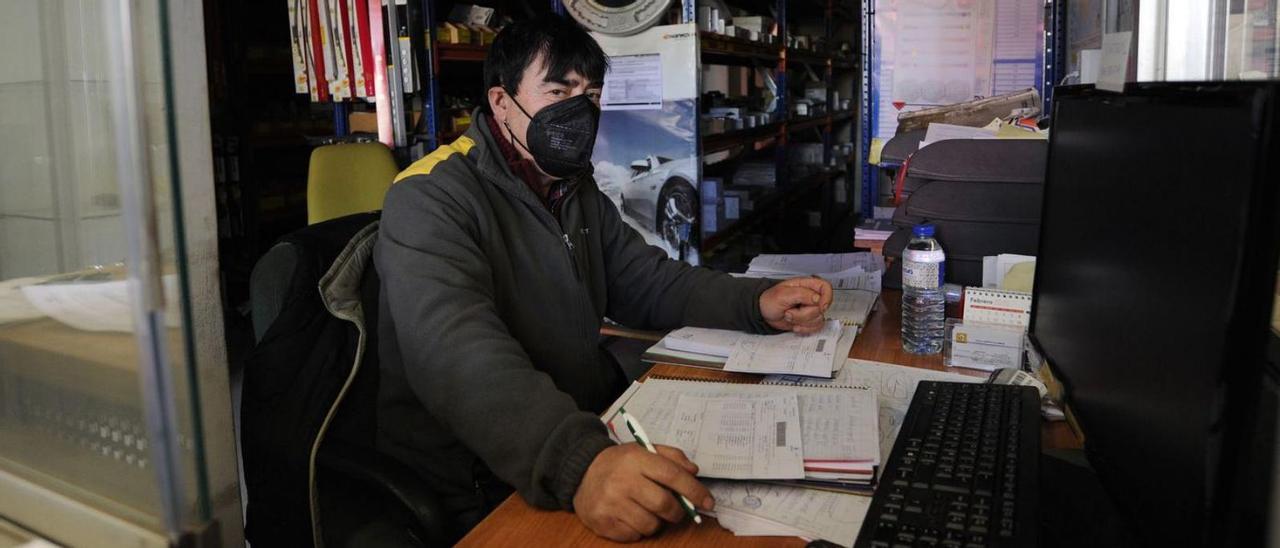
(340, 285)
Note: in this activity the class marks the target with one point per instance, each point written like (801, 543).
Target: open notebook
(837, 440)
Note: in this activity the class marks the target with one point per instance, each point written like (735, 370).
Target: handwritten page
(754, 509)
(740, 438)
(836, 425)
(851, 307)
(788, 353)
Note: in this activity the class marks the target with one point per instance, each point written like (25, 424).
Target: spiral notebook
(838, 425)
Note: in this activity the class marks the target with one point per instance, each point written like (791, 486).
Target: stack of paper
(844, 270)
(824, 436)
(816, 355)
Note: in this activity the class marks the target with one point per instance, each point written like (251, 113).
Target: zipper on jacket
(573, 256)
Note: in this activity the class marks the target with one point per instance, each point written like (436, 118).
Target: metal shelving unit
(716, 49)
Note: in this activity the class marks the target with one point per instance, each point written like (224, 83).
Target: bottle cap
(922, 230)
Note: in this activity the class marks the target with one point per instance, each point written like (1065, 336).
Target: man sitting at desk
(499, 257)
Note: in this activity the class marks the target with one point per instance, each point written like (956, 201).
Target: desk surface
(517, 523)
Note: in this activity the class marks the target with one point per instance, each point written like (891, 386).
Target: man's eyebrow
(572, 82)
(561, 81)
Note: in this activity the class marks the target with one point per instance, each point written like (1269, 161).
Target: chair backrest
(295, 373)
(348, 178)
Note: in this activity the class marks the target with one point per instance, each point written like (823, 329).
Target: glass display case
(104, 391)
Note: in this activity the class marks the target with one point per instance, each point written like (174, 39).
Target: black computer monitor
(1153, 291)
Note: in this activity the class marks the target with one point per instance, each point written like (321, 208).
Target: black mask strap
(508, 126)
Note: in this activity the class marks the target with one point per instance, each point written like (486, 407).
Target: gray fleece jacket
(489, 321)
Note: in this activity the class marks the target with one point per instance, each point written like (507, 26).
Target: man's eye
(557, 92)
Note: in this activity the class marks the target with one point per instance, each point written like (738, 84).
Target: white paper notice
(1115, 61)
(788, 353)
(737, 438)
(634, 82)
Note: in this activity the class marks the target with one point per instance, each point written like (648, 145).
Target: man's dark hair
(569, 48)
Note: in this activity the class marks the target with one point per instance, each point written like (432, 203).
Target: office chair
(303, 358)
(348, 178)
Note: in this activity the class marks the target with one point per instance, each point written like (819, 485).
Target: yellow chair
(348, 178)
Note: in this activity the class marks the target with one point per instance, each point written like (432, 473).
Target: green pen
(638, 433)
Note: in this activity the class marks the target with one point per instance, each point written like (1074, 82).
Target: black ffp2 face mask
(562, 135)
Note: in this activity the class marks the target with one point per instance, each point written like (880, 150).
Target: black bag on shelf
(982, 195)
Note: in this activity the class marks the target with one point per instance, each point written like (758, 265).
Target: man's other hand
(798, 304)
(626, 493)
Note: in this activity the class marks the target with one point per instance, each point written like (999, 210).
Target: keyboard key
(951, 488)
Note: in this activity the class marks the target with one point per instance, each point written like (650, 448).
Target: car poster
(646, 155)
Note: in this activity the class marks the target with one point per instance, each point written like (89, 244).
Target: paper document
(1114, 70)
(838, 427)
(788, 353)
(867, 281)
(807, 264)
(851, 307)
(700, 340)
(944, 132)
(894, 385)
(634, 82)
(741, 438)
(663, 351)
(754, 509)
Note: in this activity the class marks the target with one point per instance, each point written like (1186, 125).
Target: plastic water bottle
(923, 301)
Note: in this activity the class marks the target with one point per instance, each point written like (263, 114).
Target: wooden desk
(515, 523)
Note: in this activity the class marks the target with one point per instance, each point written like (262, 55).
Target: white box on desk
(986, 347)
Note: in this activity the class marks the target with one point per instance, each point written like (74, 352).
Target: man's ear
(499, 102)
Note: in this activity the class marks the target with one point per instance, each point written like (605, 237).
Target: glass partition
(97, 395)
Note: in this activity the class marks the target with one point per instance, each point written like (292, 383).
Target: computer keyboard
(963, 472)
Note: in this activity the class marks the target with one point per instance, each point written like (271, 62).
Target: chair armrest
(393, 479)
